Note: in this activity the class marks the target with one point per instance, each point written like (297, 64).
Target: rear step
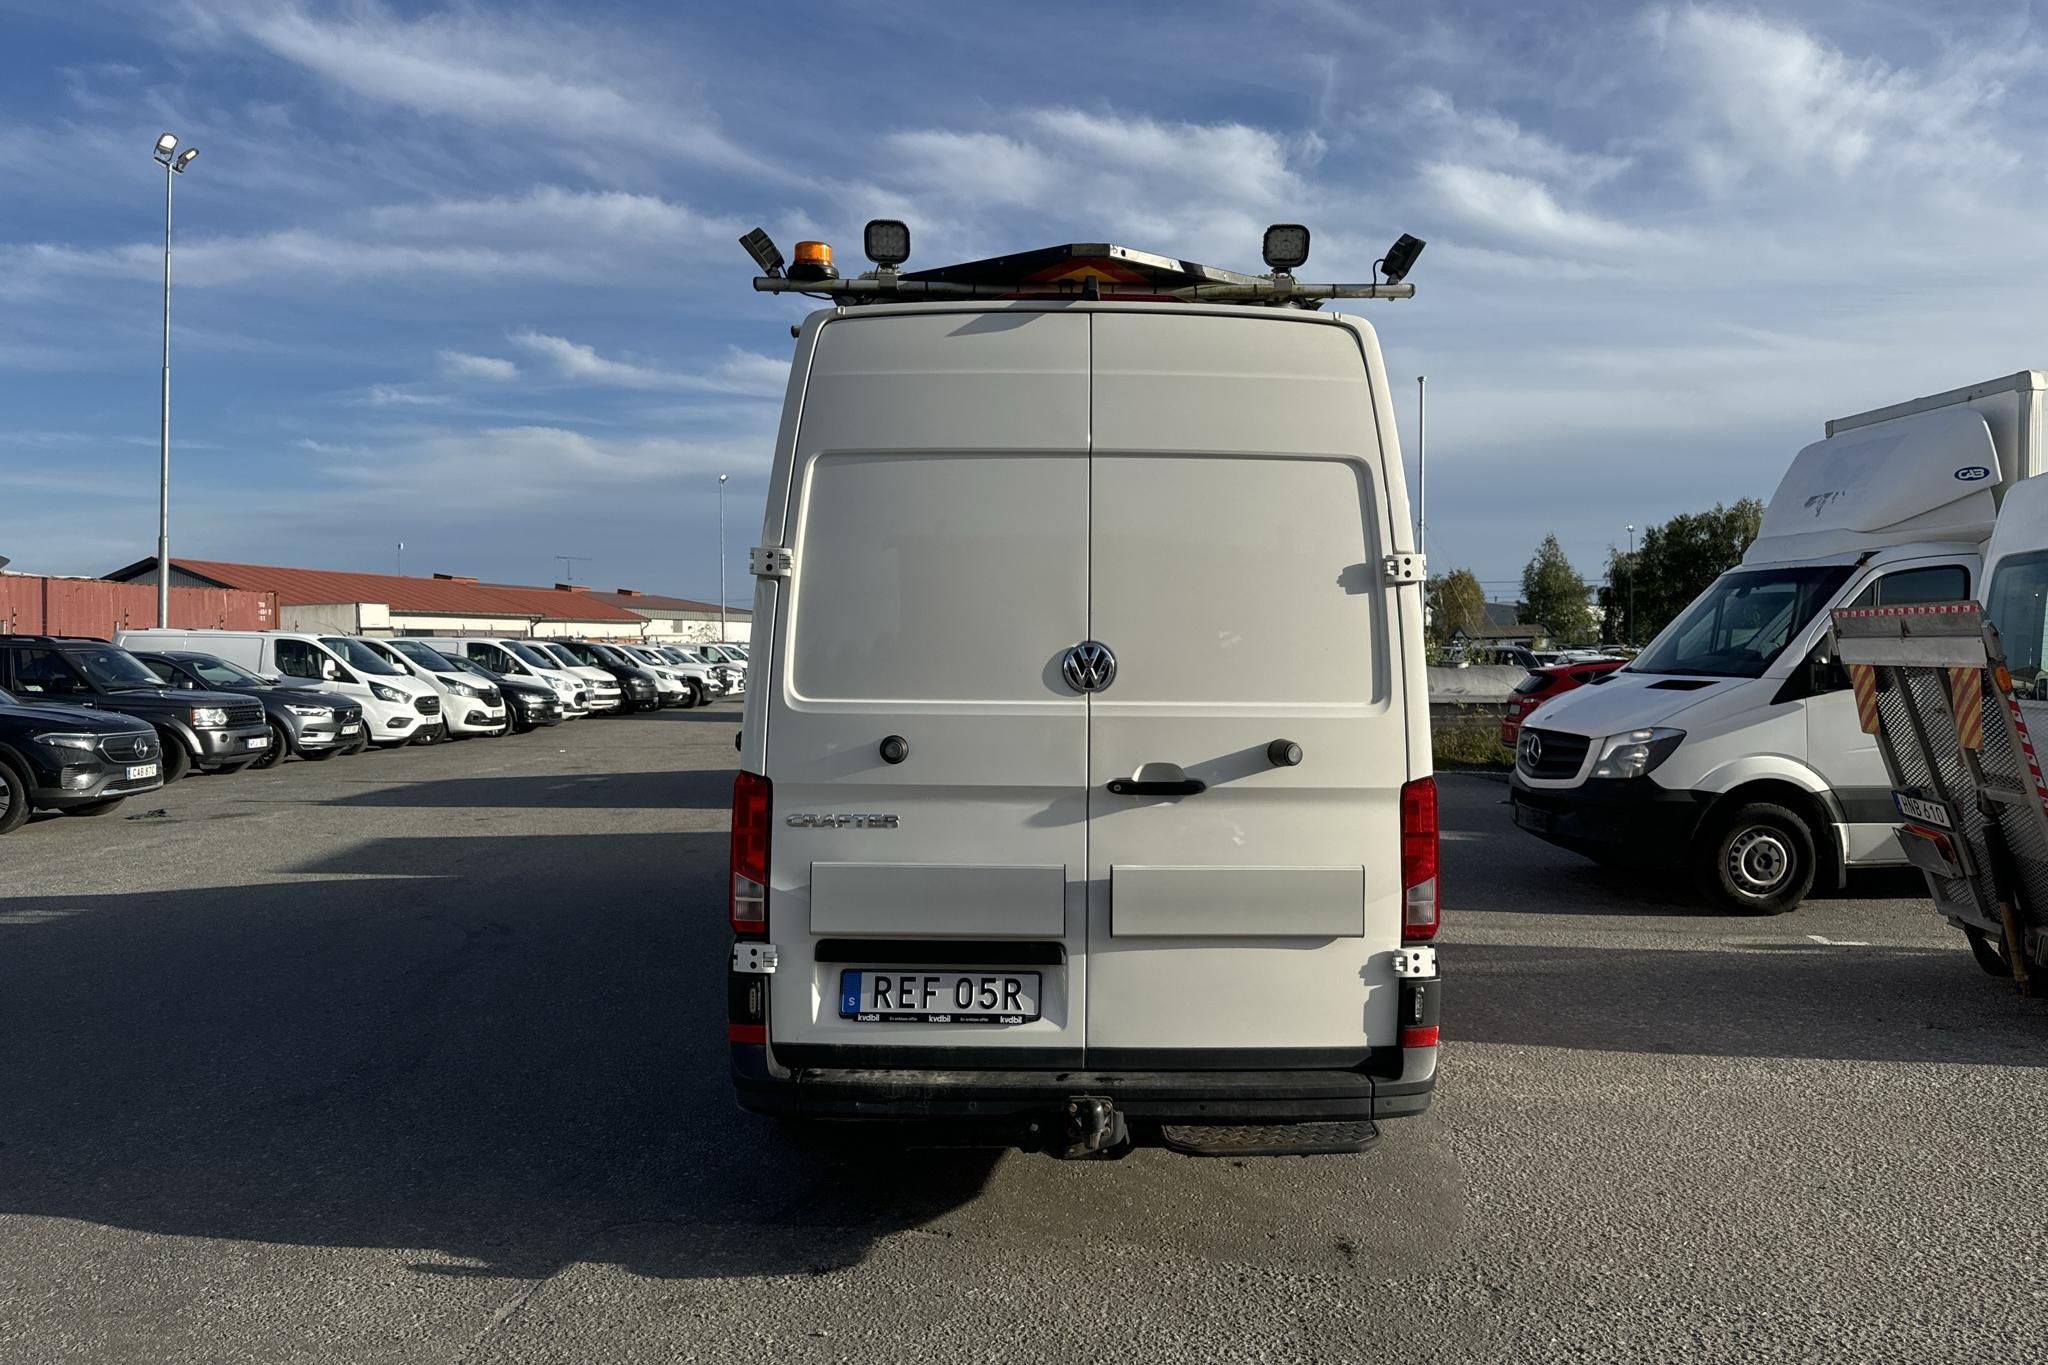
(1325, 1138)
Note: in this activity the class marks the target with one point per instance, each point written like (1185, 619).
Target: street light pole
(1629, 635)
(721, 557)
(173, 167)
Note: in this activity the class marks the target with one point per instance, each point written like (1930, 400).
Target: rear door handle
(1130, 786)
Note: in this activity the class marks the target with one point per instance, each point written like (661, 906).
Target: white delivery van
(469, 705)
(396, 706)
(1086, 788)
(1730, 747)
(517, 659)
(601, 690)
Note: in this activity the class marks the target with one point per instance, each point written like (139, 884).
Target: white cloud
(489, 369)
(489, 66)
(390, 395)
(741, 372)
(1522, 209)
(1767, 97)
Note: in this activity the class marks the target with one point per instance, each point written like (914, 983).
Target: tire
(13, 799)
(693, 697)
(279, 750)
(1758, 859)
(112, 803)
(177, 759)
(1989, 950)
(437, 735)
(362, 743)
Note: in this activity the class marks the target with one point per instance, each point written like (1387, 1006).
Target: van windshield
(2018, 605)
(528, 654)
(426, 656)
(1743, 622)
(361, 657)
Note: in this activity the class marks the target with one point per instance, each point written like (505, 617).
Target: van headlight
(462, 689)
(383, 693)
(1635, 753)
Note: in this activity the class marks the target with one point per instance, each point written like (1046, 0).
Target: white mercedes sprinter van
(395, 705)
(1730, 747)
(1086, 790)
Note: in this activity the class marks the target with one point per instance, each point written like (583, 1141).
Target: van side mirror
(1825, 673)
(330, 670)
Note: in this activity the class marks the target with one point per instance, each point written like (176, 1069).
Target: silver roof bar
(1283, 290)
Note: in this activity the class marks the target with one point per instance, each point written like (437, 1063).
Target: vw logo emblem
(1089, 666)
(1531, 749)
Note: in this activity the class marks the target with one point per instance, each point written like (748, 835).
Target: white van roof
(1925, 476)
(2022, 523)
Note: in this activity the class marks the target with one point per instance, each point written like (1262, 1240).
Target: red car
(1544, 683)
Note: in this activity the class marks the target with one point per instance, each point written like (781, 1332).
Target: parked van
(1730, 746)
(469, 705)
(601, 686)
(395, 705)
(1086, 789)
(518, 659)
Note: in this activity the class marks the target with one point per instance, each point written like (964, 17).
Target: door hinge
(1404, 568)
(770, 561)
(755, 959)
(1415, 962)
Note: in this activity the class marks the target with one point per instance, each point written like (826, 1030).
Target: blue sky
(466, 277)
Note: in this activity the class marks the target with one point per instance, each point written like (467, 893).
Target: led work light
(762, 248)
(886, 241)
(1400, 257)
(1286, 247)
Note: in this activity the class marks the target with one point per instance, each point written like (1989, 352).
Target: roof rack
(1077, 270)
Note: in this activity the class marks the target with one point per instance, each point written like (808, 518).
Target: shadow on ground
(510, 1067)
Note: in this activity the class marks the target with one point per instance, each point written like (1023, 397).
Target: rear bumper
(1020, 1097)
(1634, 821)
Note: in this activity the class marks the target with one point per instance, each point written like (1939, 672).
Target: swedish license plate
(905, 995)
(256, 742)
(1537, 821)
(351, 727)
(138, 771)
(1923, 810)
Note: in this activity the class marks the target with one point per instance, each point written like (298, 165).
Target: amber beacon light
(813, 262)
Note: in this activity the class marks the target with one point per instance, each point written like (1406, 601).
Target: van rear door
(937, 518)
(1238, 522)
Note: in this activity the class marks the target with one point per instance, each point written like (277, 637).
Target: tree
(1556, 595)
(1673, 565)
(1455, 599)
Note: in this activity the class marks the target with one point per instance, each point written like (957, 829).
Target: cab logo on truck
(1089, 666)
(1970, 473)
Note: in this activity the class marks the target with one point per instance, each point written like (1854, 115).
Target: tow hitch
(1094, 1128)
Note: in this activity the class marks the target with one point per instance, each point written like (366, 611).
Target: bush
(1467, 746)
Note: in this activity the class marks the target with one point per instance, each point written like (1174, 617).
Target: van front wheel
(1757, 860)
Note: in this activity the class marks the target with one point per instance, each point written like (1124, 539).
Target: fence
(32, 605)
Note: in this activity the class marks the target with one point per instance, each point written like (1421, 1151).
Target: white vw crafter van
(1085, 790)
(1730, 746)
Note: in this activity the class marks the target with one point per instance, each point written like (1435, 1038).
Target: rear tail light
(1419, 912)
(751, 798)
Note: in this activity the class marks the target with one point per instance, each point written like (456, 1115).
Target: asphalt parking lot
(419, 1056)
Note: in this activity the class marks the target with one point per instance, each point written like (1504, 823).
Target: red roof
(403, 592)
(655, 602)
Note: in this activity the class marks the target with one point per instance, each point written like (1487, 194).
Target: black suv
(69, 758)
(302, 721)
(637, 684)
(211, 731)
